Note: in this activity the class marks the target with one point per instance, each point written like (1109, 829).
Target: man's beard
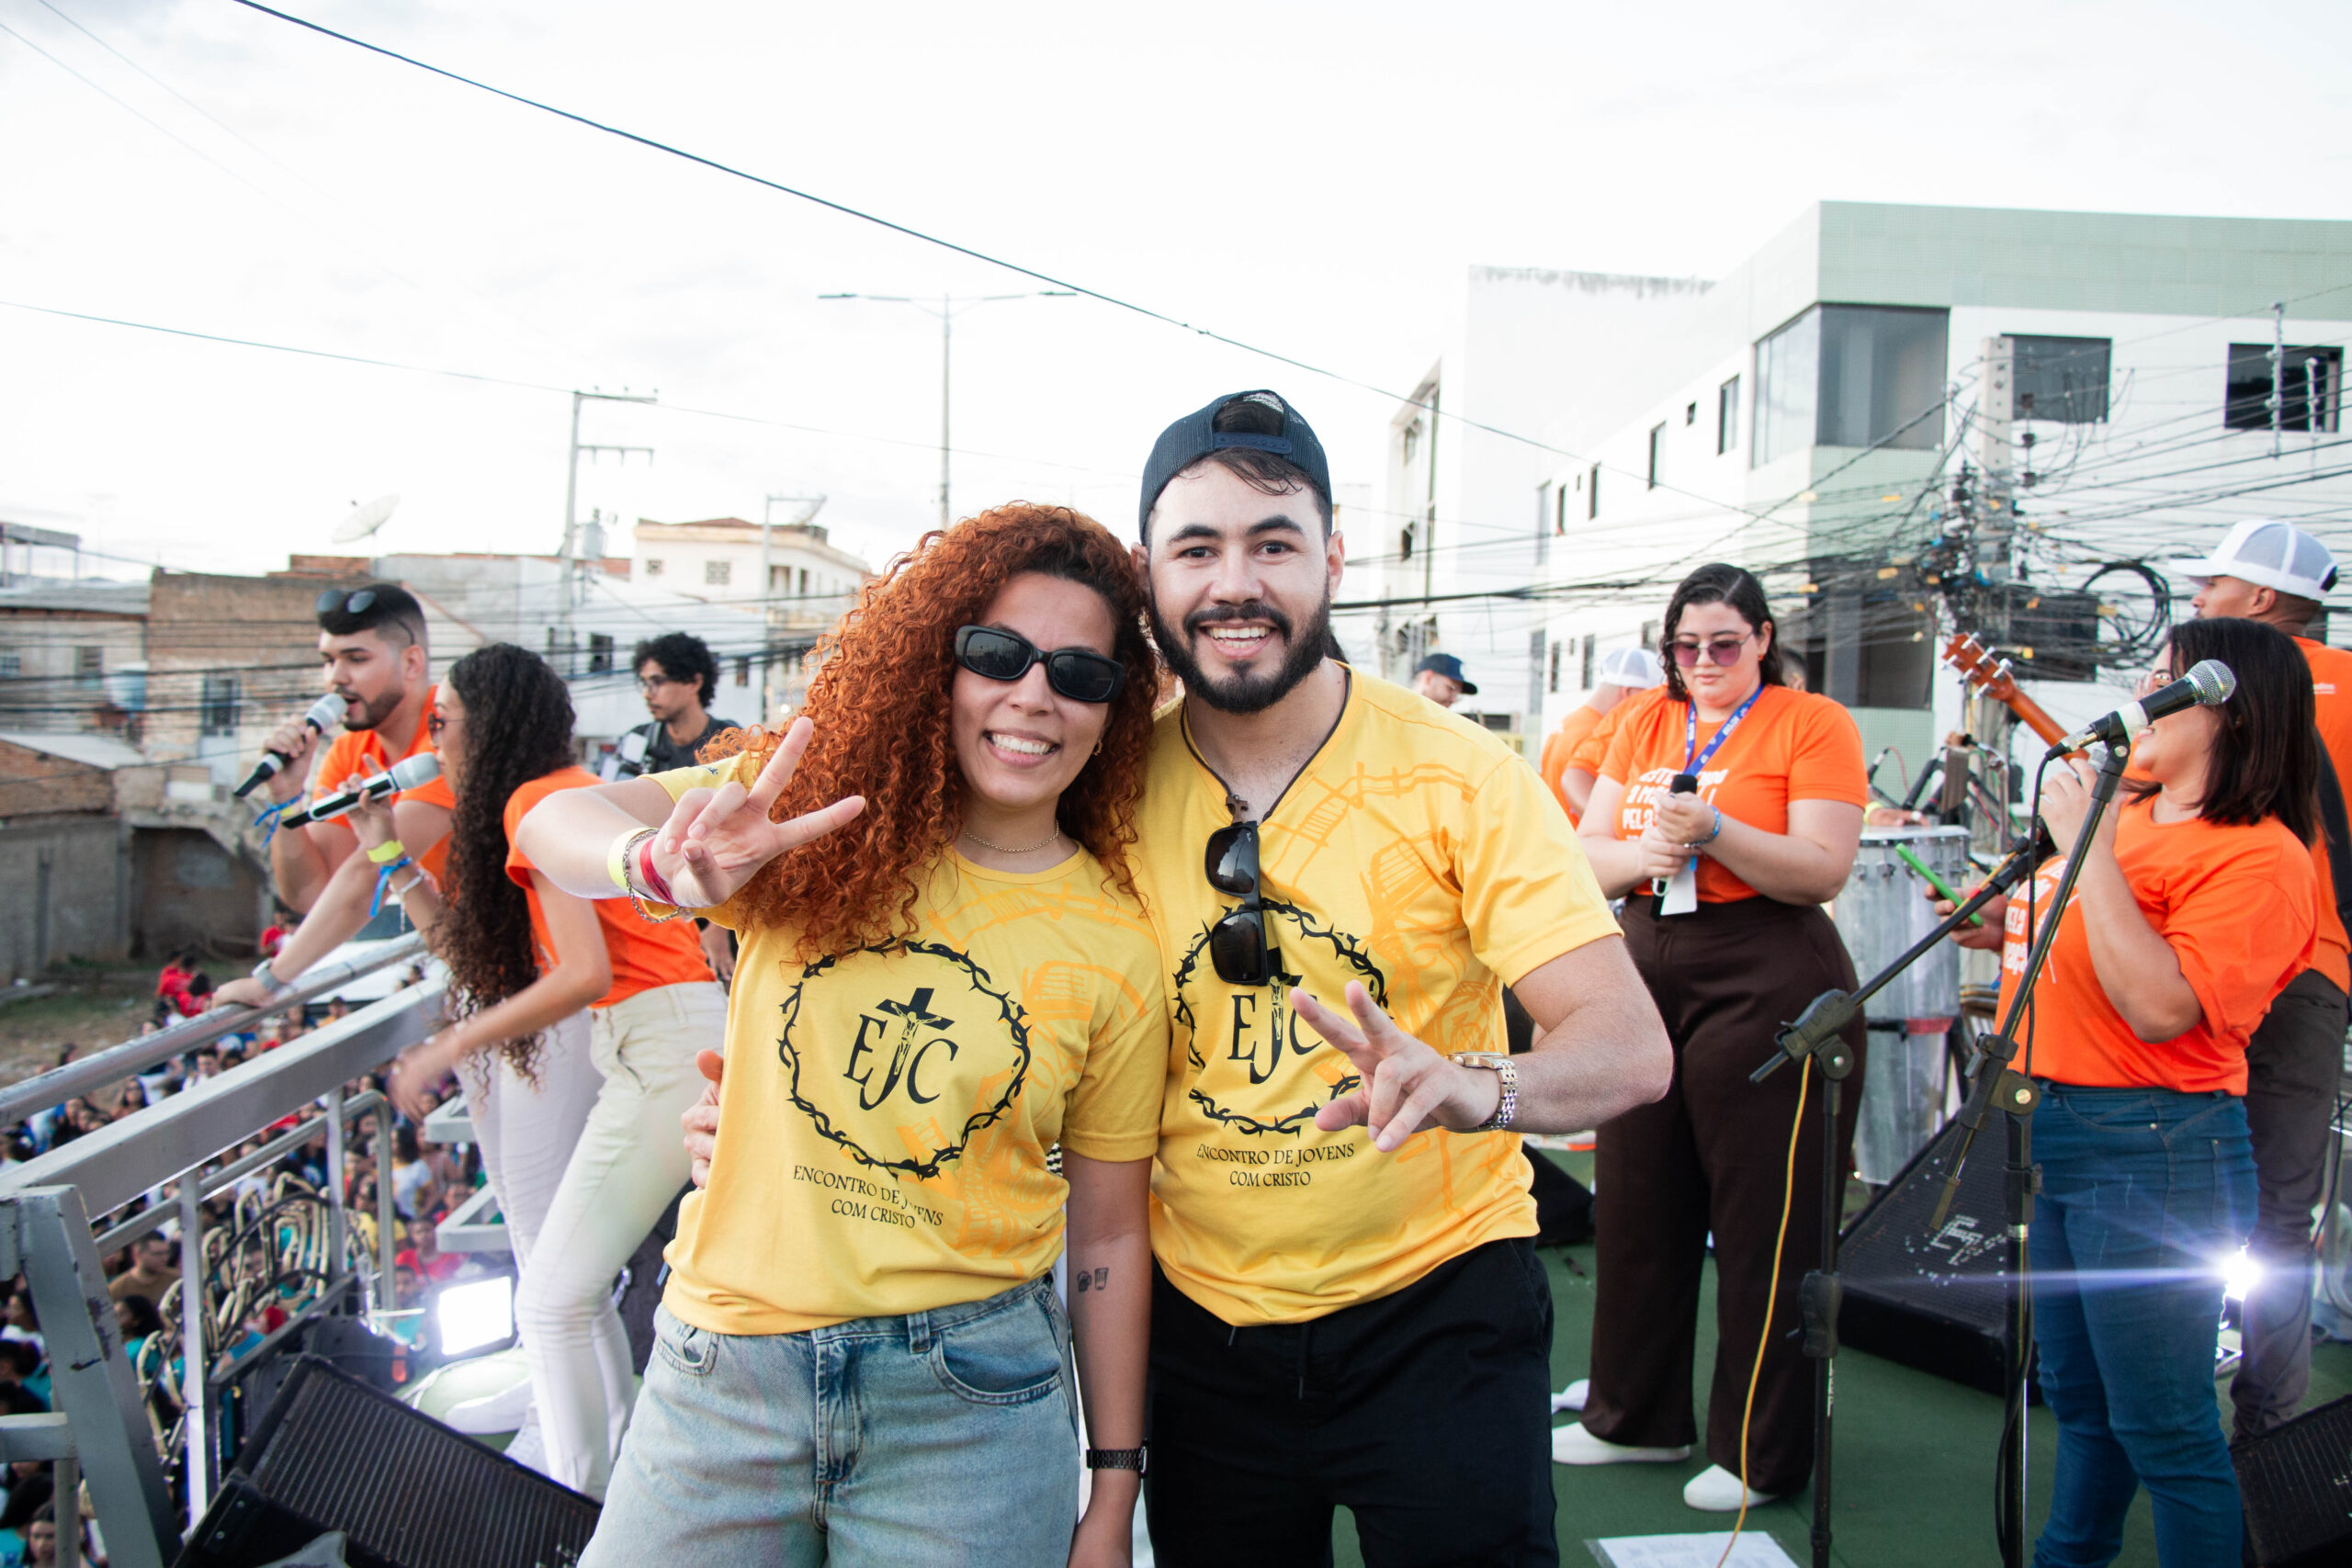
(373, 711)
(1245, 693)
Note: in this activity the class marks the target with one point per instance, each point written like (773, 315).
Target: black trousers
(2293, 1062)
(1426, 1412)
(1714, 1155)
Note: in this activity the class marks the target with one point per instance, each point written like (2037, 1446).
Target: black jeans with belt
(1426, 1412)
(1714, 1155)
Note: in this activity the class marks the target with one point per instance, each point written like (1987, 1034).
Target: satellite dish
(365, 520)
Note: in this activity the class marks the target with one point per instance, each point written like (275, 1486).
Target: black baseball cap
(1195, 435)
(1445, 664)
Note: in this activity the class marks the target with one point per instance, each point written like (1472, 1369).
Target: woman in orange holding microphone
(2196, 904)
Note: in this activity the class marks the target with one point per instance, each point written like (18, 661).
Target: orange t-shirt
(2235, 904)
(1581, 722)
(1791, 746)
(362, 752)
(643, 955)
(2332, 686)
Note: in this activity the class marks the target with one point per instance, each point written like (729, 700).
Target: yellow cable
(1756, 1374)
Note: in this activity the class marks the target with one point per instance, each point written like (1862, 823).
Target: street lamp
(950, 307)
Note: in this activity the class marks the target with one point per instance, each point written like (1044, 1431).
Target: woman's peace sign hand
(716, 840)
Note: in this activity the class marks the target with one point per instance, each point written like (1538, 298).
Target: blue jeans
(942, 1437)
(2145, 1193)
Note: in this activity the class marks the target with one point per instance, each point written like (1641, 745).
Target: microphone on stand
(406, 773)
(324, 712)
(2208, 684)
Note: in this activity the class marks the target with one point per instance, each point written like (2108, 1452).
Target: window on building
(1851, 375)
(1560, 509)
(1412, 442)
(1726, 416)
(1658, 441)
(1585, 672)
(718, 573)
(1405, 542)
(1592, 493)
(743, 671)
(1649, 636)
(1690, 413)
(218, 710)
(2310, 388)
(600, 654)
(654, 566)
(1552, 674)
(2061, 380)
(804, 582)
(12, 664)
(89, 664)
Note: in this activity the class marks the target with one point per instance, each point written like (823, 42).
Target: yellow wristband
(386, 852)
(616, 861)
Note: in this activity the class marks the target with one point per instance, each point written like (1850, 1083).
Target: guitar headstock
(1986, 670)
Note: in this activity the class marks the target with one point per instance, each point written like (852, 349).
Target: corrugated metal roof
(90, 750)
(90, 598)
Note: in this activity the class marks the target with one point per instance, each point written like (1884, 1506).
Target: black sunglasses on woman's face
(1079, 673)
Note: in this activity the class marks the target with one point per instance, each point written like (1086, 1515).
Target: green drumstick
(1943, 889)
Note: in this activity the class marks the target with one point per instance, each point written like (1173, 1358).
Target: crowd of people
(1125, 1090)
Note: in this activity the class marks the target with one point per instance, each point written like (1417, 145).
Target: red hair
(880, 703)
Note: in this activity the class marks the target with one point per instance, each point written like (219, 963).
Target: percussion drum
(1881, 910)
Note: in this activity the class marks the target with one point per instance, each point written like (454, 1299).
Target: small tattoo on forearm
(1091, 1279)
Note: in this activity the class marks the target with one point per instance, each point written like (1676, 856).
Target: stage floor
(1913, 1461)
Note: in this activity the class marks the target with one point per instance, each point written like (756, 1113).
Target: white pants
(629, 1161)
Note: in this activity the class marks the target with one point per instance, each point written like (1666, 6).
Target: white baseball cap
(1635, 669)
(2268, 554)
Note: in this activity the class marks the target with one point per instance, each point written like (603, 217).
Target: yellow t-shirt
(1415, 853)
(885, 1118)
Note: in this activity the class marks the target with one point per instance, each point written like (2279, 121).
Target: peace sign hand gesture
(716, 840)
(1407, 1085)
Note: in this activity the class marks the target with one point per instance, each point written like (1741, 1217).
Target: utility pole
(2278, 374)
(566, 558)
(950, 306)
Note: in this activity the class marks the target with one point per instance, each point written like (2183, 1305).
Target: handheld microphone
(1684, 783)
(406, 773)
(324, 712)
(2209, 685)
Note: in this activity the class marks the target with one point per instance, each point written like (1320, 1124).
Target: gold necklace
(1007, 850)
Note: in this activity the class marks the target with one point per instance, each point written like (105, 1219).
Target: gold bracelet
(623, 858)
(617, 859)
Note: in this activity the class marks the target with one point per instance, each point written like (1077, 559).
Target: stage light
(470, 1316)
(2240, 1273)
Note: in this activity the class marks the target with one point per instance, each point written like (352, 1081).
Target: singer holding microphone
(2196, 906)
(1723, 880)
(534, 970)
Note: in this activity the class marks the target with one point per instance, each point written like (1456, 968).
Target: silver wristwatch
(1504, 1068)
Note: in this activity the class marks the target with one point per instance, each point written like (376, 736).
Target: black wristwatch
(1117, 1459)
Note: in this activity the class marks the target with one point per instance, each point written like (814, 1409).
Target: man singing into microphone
(2273, 572)
(373, 653)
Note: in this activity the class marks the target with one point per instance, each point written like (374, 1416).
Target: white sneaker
(1715, 1490)
(1572, 1444)
(1572, 1397)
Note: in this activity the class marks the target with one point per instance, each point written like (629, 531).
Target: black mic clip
(1819, 1030)
(1996, 1086)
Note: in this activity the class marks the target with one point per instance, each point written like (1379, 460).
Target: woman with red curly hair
(944, 975)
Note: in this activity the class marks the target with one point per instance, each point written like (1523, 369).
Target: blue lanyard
(1695, 761)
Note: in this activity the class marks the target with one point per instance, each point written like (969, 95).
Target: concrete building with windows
(1904, 417)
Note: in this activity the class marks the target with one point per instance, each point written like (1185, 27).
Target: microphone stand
(1996, 1083)
(1817, 1034)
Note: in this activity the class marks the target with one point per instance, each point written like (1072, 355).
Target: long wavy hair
(519, 727)
(880, 701)
(1719, 582)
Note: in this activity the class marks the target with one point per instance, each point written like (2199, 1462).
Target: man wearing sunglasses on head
(1343, 878)
(372, 655)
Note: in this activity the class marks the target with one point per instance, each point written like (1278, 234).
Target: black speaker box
(1932, 1298)
(2297, 1482)
(332, 1453)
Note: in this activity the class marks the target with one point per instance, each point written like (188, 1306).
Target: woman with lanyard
(1725, 814)
(2197, 903)
(556, 995)
(860, 1352)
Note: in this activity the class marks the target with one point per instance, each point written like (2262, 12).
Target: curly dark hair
(683, 656)
(519, 727)
(1719, 583)
(879, 702)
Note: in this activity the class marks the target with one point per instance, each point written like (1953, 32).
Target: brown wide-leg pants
(1714, 1155)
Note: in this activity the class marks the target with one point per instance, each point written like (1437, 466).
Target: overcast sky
(1311, 178)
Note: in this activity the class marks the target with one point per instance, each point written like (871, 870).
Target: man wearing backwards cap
(2269, 570)
(1622, 671)
(1343, 878)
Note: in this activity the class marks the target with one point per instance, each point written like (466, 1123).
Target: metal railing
(47, 1206)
